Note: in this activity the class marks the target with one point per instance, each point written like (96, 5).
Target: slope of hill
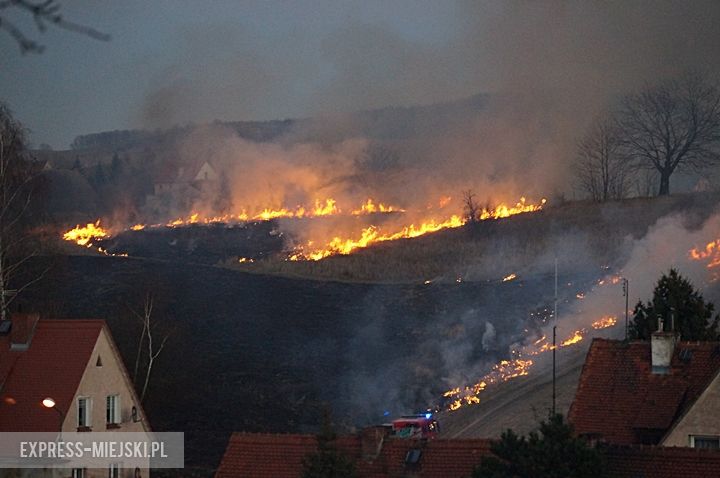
(259, 353)
(582, 235)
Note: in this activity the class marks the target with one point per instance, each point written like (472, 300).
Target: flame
(576, 337)
(711, 253)
(372, 235)
(502, 210)
(83, 235)
(370, 208)
(510, 277)
(501, 372)
(137, 227)
(519, 365)
(604, 322)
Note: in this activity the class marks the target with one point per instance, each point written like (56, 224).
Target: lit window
(84, 411)
(112, 409)
(707, 442)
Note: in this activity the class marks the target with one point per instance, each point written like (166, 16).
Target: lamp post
(50, 403)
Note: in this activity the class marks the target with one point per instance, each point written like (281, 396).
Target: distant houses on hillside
(178, 186)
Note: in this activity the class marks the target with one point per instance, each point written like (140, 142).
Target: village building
(663, 392)
(176, 187)
(66, 376)
(376, 455)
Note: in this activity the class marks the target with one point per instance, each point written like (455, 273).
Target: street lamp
(49, 402)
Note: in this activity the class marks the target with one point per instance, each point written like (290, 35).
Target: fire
(711, 253)
(502, 210)
(370, 208)
(509, 278)
(519, 365)
(138, 227)
(576, 337)
(83, 235)
(372, 235)
(501, 372)
(604, 322)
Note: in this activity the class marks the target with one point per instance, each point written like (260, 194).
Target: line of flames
(373, 235)
(519, 365)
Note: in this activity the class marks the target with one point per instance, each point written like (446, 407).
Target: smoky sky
(182, 61)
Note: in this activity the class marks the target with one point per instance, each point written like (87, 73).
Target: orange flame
(604, 322)
(83, 235)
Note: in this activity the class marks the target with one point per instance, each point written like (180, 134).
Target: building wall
(702, 419)
(97, 383)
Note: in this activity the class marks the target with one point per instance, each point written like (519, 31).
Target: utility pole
(626, 293)
(555, 313)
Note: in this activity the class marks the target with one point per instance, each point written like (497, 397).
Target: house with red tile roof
(65, 375)
(662, 392)
(375, 454)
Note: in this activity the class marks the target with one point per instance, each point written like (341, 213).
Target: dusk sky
(170, 62)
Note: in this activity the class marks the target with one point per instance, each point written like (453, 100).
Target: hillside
(260, 353)
(582, 235)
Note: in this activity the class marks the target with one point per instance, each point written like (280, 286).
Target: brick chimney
(23, 328)
(662, 346)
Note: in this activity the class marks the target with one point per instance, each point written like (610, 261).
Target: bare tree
(601, 170)
(471, 207)
(152, 350)
(16, 175)
(673, 125)
(44, 13)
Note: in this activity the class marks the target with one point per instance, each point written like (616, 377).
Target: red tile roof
(619, 399)
(52, 366)
(661, 462)
(260, 455)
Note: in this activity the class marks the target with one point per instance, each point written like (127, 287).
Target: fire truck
(416, 426)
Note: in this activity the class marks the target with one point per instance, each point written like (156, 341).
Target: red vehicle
(416, 426)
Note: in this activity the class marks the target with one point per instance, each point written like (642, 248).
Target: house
(65, 376)
(663, 392)
(173, 179)
(259, 455)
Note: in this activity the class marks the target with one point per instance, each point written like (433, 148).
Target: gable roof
(52, 366)
(620, 400)
(259, 455)
(661, 462)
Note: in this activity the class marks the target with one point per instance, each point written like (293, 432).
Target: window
(78, 473)
(84, 412)
(707, 442)
(114, 470)
(112, 409)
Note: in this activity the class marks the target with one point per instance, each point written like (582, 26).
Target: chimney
(23, 328)
(662, 346)
(371, 442)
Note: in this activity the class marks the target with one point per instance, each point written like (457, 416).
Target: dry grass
(578, 233)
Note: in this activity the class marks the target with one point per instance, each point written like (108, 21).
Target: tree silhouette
(676, 301)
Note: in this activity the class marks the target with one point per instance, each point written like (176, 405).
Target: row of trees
(661, 129)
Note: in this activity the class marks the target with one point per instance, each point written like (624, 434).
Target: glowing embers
(604, 322)
(501, 372)
(519, 365)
